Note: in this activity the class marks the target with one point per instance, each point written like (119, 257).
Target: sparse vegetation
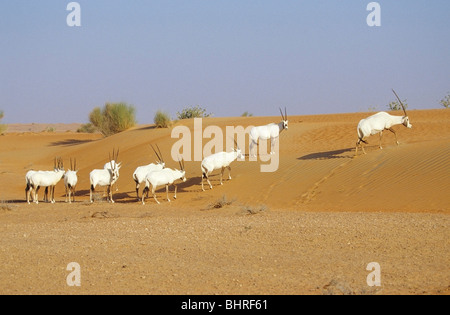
(87, 128)
(395, 105)
(193, 112)
(162, 119)
(220, 203)
(247, 114)
(2, 126)
(445, 102)
(113, 118)
(254, 210)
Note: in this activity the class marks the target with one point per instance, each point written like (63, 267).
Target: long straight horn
(285, 114)
(403, 106)
(71, 164)
(157, 155)
(181, 162)
(282, 116)
(237, 145)
(74, 164)
(160, 154)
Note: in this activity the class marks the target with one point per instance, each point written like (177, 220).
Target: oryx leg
(137, 190)
(28, 193)
(252, 144)
(36, 195)
(167, 193)
(143, 194)
(395, 134)
(229, 172)
(110, 194)
(273, 142)
(381, 135)
(154, 194)
(221, 175)
(205, 175)
(53, 194)
(175, 195)
(90, 193)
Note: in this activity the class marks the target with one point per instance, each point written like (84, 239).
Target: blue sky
(229, 56)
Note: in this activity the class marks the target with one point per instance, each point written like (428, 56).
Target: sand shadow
(69, 142)
(328, 155)
(151, 127)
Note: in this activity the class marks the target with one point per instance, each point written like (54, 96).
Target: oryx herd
(156, 174)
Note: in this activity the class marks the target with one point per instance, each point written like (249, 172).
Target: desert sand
(311, 227)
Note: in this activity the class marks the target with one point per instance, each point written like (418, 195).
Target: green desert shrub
(162, 119)
(193, 112)
(113, 118)
(397, 106)
(2, 126)
(87, 128)
(445, 102)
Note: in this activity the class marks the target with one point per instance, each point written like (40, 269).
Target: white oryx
(113, 164)
(141, 172)
(220, 160)
(105, 177)
(271, 131)
(165, 177)
(378, 123)
(37, 179)
(71, 180)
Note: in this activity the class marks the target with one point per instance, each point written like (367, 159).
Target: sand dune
(319, 186)
(317, 166)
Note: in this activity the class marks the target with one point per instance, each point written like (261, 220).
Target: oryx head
(238, 150)
(58, 164)
(284, 118)
(159, 156)
(405, 119)
(114, 166)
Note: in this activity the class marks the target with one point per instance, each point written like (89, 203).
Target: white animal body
(38, 179)
(220, 160)
(70, 181)
(141, 172)
(271, 131)
(164, 177)
(377, 123)
(104, 177)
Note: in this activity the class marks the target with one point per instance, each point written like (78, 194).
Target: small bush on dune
(162, 119)
(220, 203)
(193, 112)
(87, 128)
(113, 118)
(397, 106)
(2, 127)
(445, 102)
